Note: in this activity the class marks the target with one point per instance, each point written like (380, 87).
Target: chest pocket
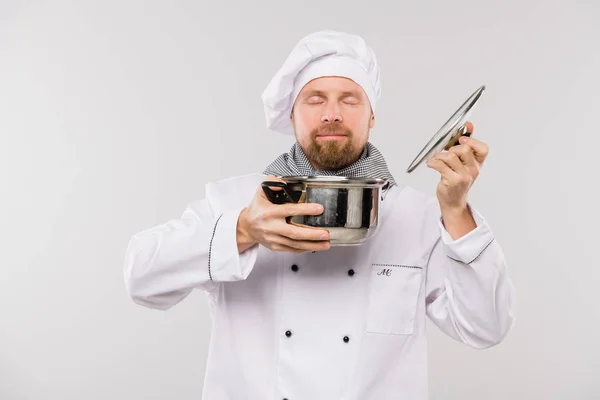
(393, 298)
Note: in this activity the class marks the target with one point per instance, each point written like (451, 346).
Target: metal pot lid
(449, 133)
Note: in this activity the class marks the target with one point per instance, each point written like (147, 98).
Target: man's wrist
(243, 237)
(458, 221)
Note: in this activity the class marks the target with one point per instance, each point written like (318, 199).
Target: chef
(297, 319)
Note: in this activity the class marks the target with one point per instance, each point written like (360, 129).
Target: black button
(288, 333)
(351, 272)
(294, 268)
(346, 339)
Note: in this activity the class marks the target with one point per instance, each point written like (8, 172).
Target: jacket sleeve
(470, 295)
(163, 264)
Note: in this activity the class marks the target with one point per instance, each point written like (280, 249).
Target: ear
(372, 121)
(293, 122)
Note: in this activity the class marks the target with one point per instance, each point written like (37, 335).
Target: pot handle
(280, 196)
(462, 131)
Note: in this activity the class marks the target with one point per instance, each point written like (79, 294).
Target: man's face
(332, 118)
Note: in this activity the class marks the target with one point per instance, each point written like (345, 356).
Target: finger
(480, 149)
(451, 160)
(468, 131)
(295, 231)
(442, 168)
(303, 245)
(466, 156)
(302, 226)
(296, 209)
(287, 209)
(469, 127)
(282, 247)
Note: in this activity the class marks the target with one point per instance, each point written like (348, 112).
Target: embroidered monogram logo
(388, 269)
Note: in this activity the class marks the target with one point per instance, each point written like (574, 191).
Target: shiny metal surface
(334, 180)
(448, 135)
(351, 205)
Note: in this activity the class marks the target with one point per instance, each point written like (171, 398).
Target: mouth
(331, 138)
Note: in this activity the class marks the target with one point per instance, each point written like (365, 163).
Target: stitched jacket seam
(210, 246)
(481, 252)
(476, 257)
(397, 265)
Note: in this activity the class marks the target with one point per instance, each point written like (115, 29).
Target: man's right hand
(265, 223)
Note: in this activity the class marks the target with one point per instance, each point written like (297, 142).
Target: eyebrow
(320, 93)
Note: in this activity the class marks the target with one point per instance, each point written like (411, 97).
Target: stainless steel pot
(351, 205)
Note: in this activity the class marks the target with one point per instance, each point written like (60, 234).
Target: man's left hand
(459, 168)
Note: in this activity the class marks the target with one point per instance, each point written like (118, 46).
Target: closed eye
(315, 100)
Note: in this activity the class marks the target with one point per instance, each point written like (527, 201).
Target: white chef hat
(324, 53)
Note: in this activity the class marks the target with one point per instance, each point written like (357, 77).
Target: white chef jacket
(344, 324)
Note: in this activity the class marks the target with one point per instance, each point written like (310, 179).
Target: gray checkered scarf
(371, 164)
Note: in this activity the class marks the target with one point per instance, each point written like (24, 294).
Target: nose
(331, 113)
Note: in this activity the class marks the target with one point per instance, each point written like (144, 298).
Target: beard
(333, 154)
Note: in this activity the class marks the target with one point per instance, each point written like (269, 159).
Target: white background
(114, 114)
